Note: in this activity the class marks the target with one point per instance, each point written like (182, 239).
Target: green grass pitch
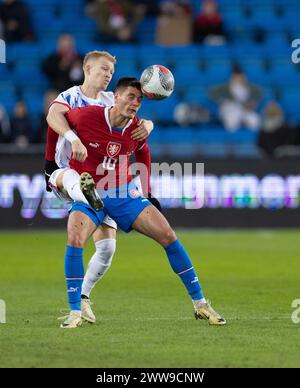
(145, 317)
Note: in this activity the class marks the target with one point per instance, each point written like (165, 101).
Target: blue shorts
(123, 210)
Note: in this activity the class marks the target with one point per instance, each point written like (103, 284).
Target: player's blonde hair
(98, 54)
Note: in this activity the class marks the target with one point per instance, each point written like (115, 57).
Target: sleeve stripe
(62, 103)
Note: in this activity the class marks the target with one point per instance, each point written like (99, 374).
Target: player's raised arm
(57, 121)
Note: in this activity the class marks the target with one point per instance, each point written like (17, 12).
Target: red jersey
(108, 150)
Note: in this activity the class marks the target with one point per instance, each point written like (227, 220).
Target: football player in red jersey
(98, 67)
(106, 134)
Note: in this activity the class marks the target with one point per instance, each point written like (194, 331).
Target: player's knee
(59, 180)
(168, 237)
(55, 177)
(75, 240)
(106, 249)
(108, 232)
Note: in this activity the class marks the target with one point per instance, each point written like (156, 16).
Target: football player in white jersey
(98, 67)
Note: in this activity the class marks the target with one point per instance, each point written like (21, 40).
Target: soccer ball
(157, 82)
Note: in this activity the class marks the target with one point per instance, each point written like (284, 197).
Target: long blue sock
(183, 267)
(74, 273)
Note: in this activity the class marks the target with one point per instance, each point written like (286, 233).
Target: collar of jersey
(106, 115)
(86, 98)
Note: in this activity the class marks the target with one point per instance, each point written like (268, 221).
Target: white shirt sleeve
(69, 98)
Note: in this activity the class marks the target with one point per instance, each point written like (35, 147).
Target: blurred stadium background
(251, 171)
(252, 180)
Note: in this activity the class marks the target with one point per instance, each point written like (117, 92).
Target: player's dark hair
(124, 82)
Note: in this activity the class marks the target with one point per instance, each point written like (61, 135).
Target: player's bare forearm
(56, 119)
(143, 130)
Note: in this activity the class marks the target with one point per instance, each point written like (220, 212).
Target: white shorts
(64, 197)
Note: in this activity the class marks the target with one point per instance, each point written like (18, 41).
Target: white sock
(99, 264)
(71, 182)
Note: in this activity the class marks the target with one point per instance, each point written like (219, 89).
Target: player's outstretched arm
(143, 130)
(57, 121)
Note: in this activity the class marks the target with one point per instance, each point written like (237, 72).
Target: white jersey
(74, 98)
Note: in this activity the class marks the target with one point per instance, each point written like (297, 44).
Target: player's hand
(50, 166)
(79, 151)
(155, 202)
(143, 130)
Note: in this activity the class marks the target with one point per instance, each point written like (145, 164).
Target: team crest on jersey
(113, 149)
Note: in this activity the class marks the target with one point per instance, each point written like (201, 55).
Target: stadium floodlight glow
(2, 51)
